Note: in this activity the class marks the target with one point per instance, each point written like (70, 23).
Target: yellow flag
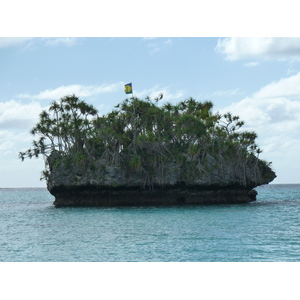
(128, 88)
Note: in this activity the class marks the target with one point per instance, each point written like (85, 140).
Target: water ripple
(265, 230)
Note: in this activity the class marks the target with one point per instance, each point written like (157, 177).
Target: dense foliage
(141, 136)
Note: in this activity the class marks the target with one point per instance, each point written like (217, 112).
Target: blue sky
(255, 78)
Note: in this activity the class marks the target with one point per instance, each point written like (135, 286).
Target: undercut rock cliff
(77, 185)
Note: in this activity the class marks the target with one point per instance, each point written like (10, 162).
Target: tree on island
(140, 136)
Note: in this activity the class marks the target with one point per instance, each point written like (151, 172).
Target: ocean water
(268, 230)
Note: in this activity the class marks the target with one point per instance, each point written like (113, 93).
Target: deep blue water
(32, 229)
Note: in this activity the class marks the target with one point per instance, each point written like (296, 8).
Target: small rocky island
(145, 154)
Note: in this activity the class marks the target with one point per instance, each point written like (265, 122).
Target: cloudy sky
(255, 78)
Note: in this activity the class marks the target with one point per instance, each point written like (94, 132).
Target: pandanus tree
(65, 127)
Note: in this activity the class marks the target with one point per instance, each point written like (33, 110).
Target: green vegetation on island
(143, 137)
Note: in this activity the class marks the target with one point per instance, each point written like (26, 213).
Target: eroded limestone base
(92, 196)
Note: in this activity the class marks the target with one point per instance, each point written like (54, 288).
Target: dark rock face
(74, 185)
(91, 196)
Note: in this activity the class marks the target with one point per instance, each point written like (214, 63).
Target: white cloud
(6, 142)
(274, 108)
(260, 47)
(274, 114)
(156, 44)
(280, 143)
(268, 115)
(16, 121)
(150, 38)
(65, 41)
(168, 42)
(221, 93)
(94, 90)
(10, 140)
(77, 89)
(227, 93)
(251, 64)
(285, 87)
(16, 115)
(6, 42)
(156, 90)
(154, 48)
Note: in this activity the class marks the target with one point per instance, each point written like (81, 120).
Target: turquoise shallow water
(32, 229)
